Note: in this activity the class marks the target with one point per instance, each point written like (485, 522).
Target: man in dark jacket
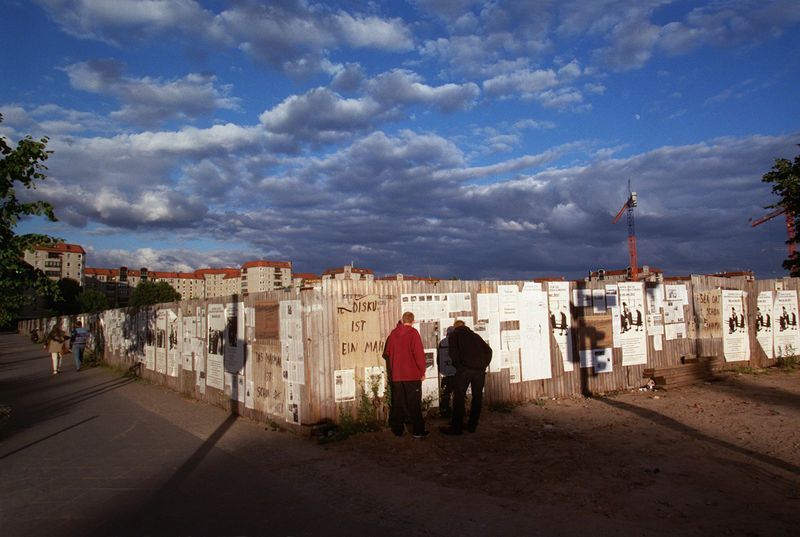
(470, 355)
(406, 361)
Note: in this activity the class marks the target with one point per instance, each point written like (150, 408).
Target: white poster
(582, 298)
(173, 361)
(375, 380)
(599, 300)
(291, 336)
(215, 369)
(786, 334)
(735, 343)
(611, 296)
(509, 353)
(293, 402)
(673, 307)
(188, 333)
(150, 357)
(599, 359)
(508, 297)
(161, 341)
(675, 331)
(764, 332)
(633, 332)
(233, 336)
(534, 335)
(561, 319)
(487, 325)
(655, 298)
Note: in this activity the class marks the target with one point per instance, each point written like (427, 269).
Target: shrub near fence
(305, 356)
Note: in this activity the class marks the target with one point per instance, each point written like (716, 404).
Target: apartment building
(348, 272)
(305, 279)
(59, 261)
(186, 283)
(263, 275)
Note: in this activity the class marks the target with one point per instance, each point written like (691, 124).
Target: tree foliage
(66, 303)
(147, 293)
(92, 301)
(785, 179)
(21, 166)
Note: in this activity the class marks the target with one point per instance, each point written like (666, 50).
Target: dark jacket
(406, 354)
(468, 349)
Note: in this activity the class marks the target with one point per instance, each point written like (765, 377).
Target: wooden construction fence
(304, 356)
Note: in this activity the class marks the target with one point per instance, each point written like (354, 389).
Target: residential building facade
(59, 261)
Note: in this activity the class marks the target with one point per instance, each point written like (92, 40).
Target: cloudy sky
(490, 139)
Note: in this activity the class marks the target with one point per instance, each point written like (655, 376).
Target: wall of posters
(786, 334)
(764, 329)
(735, 343)
(633, 329)
(561, 320)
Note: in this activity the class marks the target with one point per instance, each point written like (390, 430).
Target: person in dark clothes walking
(447, 371)
(407, 365)
(470, 355)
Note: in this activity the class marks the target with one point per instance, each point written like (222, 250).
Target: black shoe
(423, 434)
(450, 431)
(397, 433)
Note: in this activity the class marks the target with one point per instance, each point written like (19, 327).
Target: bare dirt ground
(719, 458)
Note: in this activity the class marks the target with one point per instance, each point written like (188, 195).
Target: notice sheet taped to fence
(787, 336)
(561, 320)
(764, 329)
(633, 336)
(735, 343)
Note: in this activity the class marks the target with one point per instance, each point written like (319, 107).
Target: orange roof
(354, 270)
(203, 272)
(265, 263)
(305, 276)
(63, 247)
(155, 274)
(100, 272)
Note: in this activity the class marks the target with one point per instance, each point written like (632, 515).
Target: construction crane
(629, 205)
(790, 218)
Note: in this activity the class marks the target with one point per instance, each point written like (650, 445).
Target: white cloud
(148, 101)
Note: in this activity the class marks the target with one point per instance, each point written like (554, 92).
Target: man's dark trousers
(407, 406)
(467, 377)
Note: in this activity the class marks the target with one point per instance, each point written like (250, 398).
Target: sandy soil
(719, 458)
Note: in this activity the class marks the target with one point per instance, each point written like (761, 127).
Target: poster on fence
(161, 341)
(735, 343)
(633, 330)
(561, 319)
(534, 329)
(487, 325)
(344, 385)
(215, 370)
(173, 356)
(786, 334)
(764, 331)
(233, 337)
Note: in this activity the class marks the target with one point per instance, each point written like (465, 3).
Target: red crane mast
(790, 231)
(629, 205)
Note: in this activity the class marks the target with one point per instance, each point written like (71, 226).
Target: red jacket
(406, 355)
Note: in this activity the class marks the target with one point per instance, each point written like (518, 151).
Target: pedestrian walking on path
(54, 344)
(78, 339)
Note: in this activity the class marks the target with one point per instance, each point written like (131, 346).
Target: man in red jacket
(407, 366)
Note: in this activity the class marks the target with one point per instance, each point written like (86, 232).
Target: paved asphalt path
(96, 453)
